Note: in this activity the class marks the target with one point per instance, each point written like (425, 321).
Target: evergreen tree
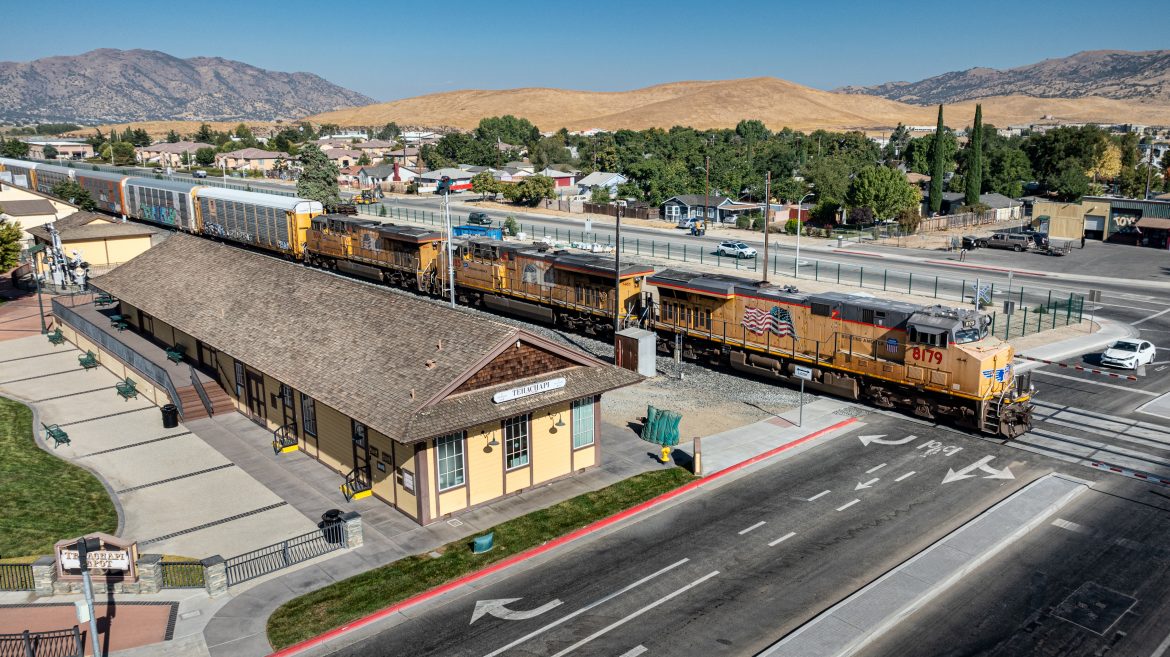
(173, 137)
(937, 167)
(10, 242)
(318, 181)
(974, 175)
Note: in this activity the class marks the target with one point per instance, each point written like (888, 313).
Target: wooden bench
(88, 360)
(104, 300)
(175, 353)
(57, 434)
(57, 337)
(126, 389)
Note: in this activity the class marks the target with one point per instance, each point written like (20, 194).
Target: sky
(393, 49)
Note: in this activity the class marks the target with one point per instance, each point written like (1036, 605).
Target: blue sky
(393, 49)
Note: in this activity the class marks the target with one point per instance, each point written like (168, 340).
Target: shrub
(743, 222)
(511, 227)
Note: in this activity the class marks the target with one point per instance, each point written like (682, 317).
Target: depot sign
(528, 390)
(102, 559)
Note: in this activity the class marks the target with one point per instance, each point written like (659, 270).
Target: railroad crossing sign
(981, 292)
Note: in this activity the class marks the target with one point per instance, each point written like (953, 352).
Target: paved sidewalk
(1081, 344)
(862, 617)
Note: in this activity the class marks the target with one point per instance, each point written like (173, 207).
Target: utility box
(636, 350)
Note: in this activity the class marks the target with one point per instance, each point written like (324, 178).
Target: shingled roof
(83, 225)
(372, 354)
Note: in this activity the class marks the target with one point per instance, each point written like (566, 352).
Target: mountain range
(109, 85)
(1117, 74)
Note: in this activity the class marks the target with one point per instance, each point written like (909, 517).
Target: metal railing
(182, 574)
(129, 170)
(58, 643)
(203, 398)
(258, 563)
(16, 577)
(124, 353)
(281, 438)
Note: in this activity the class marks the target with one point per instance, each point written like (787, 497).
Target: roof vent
(430, 364)
(439, 347)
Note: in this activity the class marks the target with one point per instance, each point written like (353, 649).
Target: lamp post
(799, 230)
(35, 250)
(617, 274)
(84, 546)
(706, 190)
(767, 206)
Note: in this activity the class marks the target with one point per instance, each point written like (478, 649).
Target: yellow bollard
(665, 454)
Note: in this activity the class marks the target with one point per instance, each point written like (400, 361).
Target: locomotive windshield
(963, 336)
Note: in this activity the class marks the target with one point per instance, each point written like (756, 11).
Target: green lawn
(344, 601)
(43, 499)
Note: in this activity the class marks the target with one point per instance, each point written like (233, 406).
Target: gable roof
(553, 173)
(176, 148)
(88, 225)
(376, 143)
(334, 153)
(387, 360)
(27, 208)
(599, 178)
(698, 199)
(254, 153)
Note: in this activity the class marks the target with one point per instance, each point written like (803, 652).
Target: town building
(99, 239)
(67, 149)
(691, 206)
(601, 180)
(432, 410)
(343, 157)
(30, 209)
(170, 155)
(251, 159)
(1119, 220)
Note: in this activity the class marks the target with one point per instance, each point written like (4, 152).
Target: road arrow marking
(875, 468)
(867, 484)
(499, 609)
(867, 440)
(906, 476)
(981, 465)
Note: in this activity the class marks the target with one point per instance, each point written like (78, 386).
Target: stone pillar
(353, 529)
(44, 575)
(215, 576)
(150, 576)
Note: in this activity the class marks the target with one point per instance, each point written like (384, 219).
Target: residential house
(561, 179)
(30, 208)
(343, 157)
(1005, 207)
(348, 176)
(67, 149)
(167, 154)
(420, 137)
(327, 143)
(522, 165)
(407, 157)
(460, 179)
(510, 174)
(601, 180)
(251, 159)
(695, 206)
(375, 148)
(381, 175)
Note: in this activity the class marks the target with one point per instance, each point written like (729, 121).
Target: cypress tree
(975, 159)
(937, 166)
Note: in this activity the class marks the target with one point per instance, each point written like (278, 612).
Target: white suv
(737, 249)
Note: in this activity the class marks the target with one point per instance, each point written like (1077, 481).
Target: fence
(16, 577)
(611, 210)
(59, 643)
(274, 557)
(1054, 313)
(182, 574)
(967, 219)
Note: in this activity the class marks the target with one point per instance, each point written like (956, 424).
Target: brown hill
(722, 104)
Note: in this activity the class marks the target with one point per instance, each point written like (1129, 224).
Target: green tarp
(661, 426)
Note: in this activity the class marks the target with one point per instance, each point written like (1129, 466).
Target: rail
(198, 385)
(16, 577)
(281, 438)
(131, 170)
(182, 575)
(121, 351)
(257, 563)
(58, 643)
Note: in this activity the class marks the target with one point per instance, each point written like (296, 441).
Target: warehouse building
(432, 410)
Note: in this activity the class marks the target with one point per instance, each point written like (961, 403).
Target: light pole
(84, 545)
(706, 191)
(35, 250)
(617, 274)
(445, 183)
(799, 230)
(767, 206)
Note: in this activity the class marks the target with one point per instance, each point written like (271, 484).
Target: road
(728, 571)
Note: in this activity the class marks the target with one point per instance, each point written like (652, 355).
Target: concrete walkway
(1081, 344)
(848, 626)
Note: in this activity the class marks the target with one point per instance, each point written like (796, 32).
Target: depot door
(257, 407)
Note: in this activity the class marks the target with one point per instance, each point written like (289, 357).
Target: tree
(205, 156)
(896, 147)
(908, 220)
(96, 139)
(1008, 169)
(531, 190)
(883, 190)
(123, 153)
(50, 153)
(508, 129)
(1071, 183)
(484, 183)
(937, 166)
(1106, 161)
(15, 148)
(10, 242)
(72, 191)
(547, 152)
(139, 137)
(173, 137)
(328, 129)
(318, 180)
(974, 172)
(364, 160)
(203, 134)
(389, 132)
(599, 195)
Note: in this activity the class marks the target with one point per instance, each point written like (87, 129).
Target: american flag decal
(892, 345)
(777, 320)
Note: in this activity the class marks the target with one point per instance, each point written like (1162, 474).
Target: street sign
(981, 292)
(802, 372)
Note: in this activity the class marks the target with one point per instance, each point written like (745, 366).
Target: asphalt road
(1093, 581)
(729, 570)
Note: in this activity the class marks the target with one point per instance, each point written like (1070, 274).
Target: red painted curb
(952, 263)
(540, 549)
(860, 253)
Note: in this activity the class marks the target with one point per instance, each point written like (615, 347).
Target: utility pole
(1149, 169)
(617, 275)
(706, 190)
(446, 183)
(767, 206)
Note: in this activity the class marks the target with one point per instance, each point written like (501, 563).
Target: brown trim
(505, 495)
(597, 430)
(531, 454)
(393, 472)
(422, 486)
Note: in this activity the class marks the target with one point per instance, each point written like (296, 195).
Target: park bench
(57, 337)
(118, 322)
(175, 353)
(57, 434)
(88, 360)
(127, 389)
(104, 300)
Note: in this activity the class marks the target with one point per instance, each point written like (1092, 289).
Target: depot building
(430, 409)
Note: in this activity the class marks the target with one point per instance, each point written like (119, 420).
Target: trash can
(170, 416)
(331, 526)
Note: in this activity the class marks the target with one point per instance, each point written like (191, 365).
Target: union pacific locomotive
(933, 361)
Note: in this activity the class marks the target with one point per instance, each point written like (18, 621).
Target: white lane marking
(755, 526)
(622, 621)
(1162, 647)
(1155, 315)
(819, 495)
(1096, 383)
(634, 652)
(875, 468)
(586, 608)
(782, 539)
(846, 506)
(1071, 526)
(906, 476)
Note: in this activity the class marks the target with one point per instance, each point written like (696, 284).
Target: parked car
(199, 174)
(971, 242)
(1013, 241)
(737, 249)
(479, 219)
(1129, 354)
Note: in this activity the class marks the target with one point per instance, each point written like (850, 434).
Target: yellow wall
(404, 458)
(108, 251)
(335, 437)
(551, 446)
(146, 389)
(485, 469)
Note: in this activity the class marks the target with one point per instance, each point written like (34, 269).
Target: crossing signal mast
(445, 188)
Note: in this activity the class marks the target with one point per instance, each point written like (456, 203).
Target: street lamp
(35, 251)
(799, 230)
(84, 547)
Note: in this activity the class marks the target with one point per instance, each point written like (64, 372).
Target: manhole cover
(1094, 607)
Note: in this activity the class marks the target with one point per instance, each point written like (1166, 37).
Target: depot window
(516, 441)
(451, 463)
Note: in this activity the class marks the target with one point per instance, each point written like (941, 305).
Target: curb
(1100, 339)
(952, 263)
(541, 549)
